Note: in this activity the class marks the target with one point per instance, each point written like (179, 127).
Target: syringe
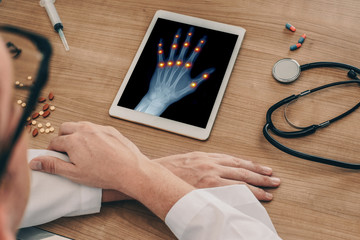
(55, 20)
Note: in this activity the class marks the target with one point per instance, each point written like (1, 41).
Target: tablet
(179, 74)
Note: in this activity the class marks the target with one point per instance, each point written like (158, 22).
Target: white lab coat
(52, 196)
(226, 213)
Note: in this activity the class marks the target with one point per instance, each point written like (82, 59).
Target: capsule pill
(46, 114)
(52, 108)
(302, 38)
(35, 132)
(19, 102)
(46, 107)
(35, 115)
(52, 129)
(40, 125)
(295, 46)
(290, 27)
(48, 124)
(47, 130)
(42, 130)
(51, 96)
(41, 113)
(41, 99)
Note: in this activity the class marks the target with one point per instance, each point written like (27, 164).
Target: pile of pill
(33, 120)
(301, 39)
(45, 112)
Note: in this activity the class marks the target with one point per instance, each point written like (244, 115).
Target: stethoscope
(288, 70)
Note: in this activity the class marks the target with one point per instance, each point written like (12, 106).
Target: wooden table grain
(314, 201)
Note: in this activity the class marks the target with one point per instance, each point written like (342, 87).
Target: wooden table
(314, 201)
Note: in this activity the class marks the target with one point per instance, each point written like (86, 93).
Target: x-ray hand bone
(171, 80)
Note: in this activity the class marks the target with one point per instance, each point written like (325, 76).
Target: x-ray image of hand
(171, 80)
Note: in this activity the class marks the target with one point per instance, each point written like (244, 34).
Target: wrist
(157, 188)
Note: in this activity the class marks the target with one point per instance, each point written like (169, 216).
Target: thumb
(52, 165)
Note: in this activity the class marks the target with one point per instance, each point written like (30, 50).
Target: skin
(14, 185)
(102, 157)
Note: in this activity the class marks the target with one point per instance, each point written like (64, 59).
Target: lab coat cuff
(185, 209)
(90, 201)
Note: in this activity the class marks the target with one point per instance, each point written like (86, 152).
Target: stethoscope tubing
(312, 128)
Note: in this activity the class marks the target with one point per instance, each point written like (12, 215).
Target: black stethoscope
(288, 70)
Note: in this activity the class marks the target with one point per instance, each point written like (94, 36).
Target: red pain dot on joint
(160, 52)
(197, 49)
(189, 33)
(178, 63)
(176, 36)
(186, 44)
(187, 65)
(205, 76)
(174, 46)
(161, 64)
(193, 84)
(202, 41)
(170, 63)
(160, 45)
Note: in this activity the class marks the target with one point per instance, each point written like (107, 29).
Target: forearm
(157, 188)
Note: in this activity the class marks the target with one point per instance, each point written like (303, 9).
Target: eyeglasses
(31, 56)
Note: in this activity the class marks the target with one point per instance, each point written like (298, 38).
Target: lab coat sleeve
(230, 212)
(52, 196)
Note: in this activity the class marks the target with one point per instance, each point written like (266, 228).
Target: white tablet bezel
(167, 124)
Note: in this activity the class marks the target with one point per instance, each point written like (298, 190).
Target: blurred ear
(5, 89)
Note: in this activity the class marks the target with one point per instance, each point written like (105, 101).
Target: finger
(230, 161)
(174, 45)
(203, 76)
(260, 194)
(68, 128)
(247, 176)
(59, 143)
(186, 44)
(197, 50)
(52, 165)
(161, 63)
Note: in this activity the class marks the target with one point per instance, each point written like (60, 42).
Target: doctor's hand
(102, 157)
(99, 156)
(205, 170)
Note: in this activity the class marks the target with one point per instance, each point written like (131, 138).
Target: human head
(14, 183)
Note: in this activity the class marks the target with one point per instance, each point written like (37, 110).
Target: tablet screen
(179, 72)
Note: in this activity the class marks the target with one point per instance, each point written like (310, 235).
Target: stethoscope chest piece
(286, 70)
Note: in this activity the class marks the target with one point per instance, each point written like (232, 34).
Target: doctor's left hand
(100, 156)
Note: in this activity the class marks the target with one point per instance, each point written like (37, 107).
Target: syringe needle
(55, 20)
(63, 39)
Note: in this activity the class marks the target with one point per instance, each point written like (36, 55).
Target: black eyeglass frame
(44, 47)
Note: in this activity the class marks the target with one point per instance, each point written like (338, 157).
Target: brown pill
(51, 96)
(46, 107)
(29, 122)
(46, 114)
(35, 132)
(41, 99)
(35, 115)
